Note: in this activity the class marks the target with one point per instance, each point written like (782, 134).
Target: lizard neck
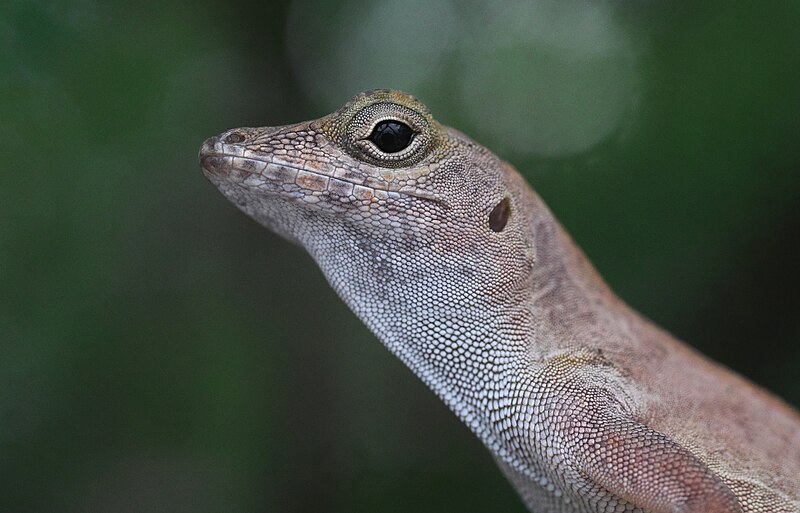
(570, 302)
(458, 340)
(466, 343)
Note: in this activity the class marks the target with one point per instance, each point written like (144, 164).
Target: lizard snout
(211, 159)
(209, 144)
(209, 147)
(216, 153)
(215, 164)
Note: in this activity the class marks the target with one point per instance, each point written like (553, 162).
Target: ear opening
(500, 214)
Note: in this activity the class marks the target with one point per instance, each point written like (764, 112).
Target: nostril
(234, 138)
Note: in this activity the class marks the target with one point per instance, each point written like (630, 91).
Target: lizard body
(459, 268)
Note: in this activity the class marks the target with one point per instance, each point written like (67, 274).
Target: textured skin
(586, 406)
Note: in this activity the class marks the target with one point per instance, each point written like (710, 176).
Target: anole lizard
(459, 268)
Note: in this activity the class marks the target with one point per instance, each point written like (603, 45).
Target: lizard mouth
(310, 181)
(288, 177)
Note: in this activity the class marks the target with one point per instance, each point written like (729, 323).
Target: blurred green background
(160, 352)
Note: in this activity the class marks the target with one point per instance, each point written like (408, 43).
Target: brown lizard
(459, 268)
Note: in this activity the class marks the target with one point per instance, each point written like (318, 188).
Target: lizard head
(416, 226)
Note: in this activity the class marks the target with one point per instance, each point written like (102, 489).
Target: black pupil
(391, 136)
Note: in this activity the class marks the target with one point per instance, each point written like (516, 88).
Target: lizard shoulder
(589, 416)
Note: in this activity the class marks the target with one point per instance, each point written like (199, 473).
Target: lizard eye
(499, 215)
(386, 134)
(391, 136)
